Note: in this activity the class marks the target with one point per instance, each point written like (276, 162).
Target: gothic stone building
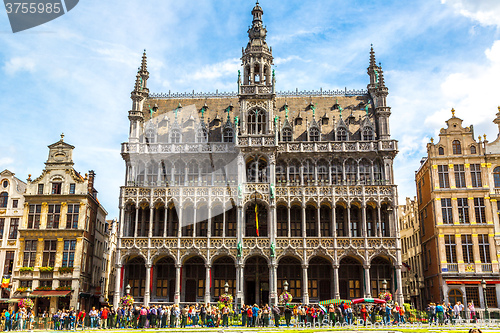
(312, 169)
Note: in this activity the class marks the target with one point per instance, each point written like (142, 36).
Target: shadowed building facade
(258, 187)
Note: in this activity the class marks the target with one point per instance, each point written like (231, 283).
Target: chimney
(91, 182)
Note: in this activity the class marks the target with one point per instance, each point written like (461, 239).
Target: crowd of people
(440, 312)
(201, 315)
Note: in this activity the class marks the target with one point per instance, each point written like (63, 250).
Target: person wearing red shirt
(104, 317)
(364, 313)
(81, 318)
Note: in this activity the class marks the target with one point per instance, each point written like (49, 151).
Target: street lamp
(384, 285)
(127, 289)
(483, 285)
(226, 287)
(285, 285)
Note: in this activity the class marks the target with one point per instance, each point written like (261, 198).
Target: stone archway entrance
(256, 281)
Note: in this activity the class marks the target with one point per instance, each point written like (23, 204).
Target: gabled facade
(258, 187)
(458, 212)
(11, 213)
(57, 235)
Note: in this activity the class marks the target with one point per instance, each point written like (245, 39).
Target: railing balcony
(487, 268)
(452, 267)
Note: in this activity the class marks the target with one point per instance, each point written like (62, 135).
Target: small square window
(15, 203)
(56, 188)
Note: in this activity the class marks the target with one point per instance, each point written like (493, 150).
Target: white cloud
(19, 64)
(486, 12)
(211, 72)
(5, 162)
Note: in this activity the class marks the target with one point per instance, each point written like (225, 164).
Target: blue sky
(75, 74)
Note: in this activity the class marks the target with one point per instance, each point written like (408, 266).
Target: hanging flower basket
(224, 299)
(26, 303)
(285, 297)
(64, 288)
(26, 269)
(386, 296)
(22, 289)
(127, 300)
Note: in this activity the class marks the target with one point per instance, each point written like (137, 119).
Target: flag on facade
(257, 219)
(5, 281)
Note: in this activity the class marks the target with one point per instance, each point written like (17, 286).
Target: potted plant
(22, 289)
(43, 288)
(65, 270)
(25, 303)
(64, 288)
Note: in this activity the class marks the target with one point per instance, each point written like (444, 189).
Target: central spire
(257, 57)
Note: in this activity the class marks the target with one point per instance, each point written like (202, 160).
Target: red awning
(50, 293)
(472, 282)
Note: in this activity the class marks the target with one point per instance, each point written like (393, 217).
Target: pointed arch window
(308, 171)
(441, 151)
(286, 135)
(179, 172)
(323, 171)
(457, 148)
(365, 172)
(257, 170)
(193, 172)
(256, 121)
(175, 136)
(336, 173)
(314, 134)
(228, 135)
(341, 134)
(367, 134)
(280, 172)
(201, 135)
(377, 173)
(152, 173)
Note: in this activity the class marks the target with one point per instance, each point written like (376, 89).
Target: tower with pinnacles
(258, 189)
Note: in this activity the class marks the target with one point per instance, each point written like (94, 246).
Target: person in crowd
(277, 314)
(440, 313)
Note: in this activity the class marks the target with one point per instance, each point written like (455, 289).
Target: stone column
(147, 290)
(399, 294)
(305, 284)
(336, 289)
(122, 221)
(151, 215)
(363, 220)
(239, 283)
(177, 294)
(304, 220)
(349, 234)
(136, 220)
(165, 221)
(319, 221)
(118, 278)
(334, 217)
(273, 293)
(207, 283)
(181, 222)
(289, 222)
(379, 221)
(368, 293)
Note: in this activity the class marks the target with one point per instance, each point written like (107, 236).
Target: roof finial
(62, 136)
(453, 112)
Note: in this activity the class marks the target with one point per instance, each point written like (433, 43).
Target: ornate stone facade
(313, 170)
(457, 192)
(57, 243)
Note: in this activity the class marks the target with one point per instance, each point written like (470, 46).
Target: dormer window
(56, 188)
(473, 150)
(441, 151)
(286, 135)
(72, 188)
(314, 134)
(201, 136)
(367, 134)
(228, 135)
(175, 137)
(341, 134)
(40, 189)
